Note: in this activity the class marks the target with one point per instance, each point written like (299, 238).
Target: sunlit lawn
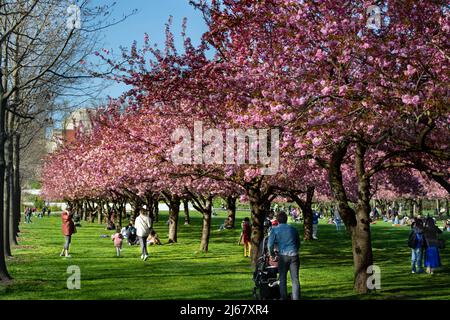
(180, 271)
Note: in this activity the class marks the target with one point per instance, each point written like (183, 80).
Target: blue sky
(151, 17)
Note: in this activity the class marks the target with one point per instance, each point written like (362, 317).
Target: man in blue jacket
(287, 240)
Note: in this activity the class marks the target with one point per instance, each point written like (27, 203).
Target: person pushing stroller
(287, 240)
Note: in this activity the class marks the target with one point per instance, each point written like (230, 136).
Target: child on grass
(118, 239)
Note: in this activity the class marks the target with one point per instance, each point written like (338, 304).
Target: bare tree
(43, 47)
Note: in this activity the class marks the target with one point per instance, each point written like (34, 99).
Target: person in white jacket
(143, 226)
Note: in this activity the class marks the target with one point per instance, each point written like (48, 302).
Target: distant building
(77, 120)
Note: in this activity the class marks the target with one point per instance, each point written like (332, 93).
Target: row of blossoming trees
(360, 113)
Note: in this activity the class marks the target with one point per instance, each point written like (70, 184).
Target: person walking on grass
(117, 238)
(287, 240)
(245, 236)
(68, 229)
(27, 213)
(432, 257)
(143, 227)
(315, 224)
(337, 219)
(416, 242)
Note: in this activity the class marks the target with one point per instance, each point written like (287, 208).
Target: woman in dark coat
(68, 228)
(432, 258)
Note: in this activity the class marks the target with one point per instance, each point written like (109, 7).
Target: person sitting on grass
(395, 221)
(117, 238)
(153, 238)
(447, 225)
(110, 225)
(404, 221)
(131, 234)
(227, 224)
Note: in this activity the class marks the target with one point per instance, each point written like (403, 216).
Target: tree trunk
(156, 210)
(107, 213)
(85, 211)
(12, 227)
(92, 211)
(17, 191)
(447, 209)
(438, 208)
(361, 237)
(356, 222)
(206, 227)
(174, 212)
(7, 204)
(4, 275)
(124, 209)
(187, 219)
(307, 223)
(150, 208)
(99, 212)
(120, 210)
(231, 211)
(260, 207)
(307, 211)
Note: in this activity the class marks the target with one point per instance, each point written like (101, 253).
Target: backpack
(412, 240)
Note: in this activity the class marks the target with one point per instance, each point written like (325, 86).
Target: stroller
(267, 284)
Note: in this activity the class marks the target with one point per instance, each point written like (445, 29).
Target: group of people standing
(142, 229)
(29, 212)
(425, 244)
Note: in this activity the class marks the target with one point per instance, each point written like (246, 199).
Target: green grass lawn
(180, 271)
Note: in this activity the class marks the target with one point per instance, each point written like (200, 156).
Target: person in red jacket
(68, 228)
